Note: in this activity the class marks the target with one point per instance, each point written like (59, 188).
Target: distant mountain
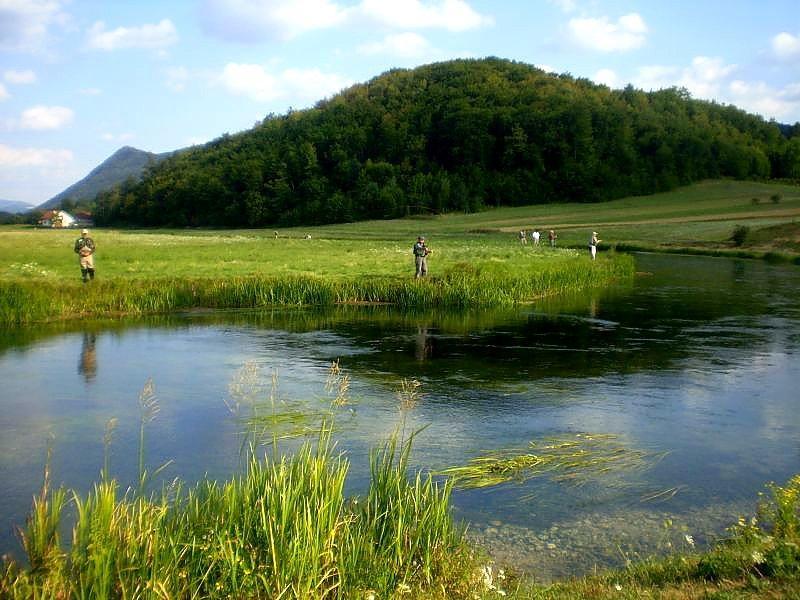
(12, 206)
(124, 163)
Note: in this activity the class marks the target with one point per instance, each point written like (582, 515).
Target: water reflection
(696, 359)
(87, 365)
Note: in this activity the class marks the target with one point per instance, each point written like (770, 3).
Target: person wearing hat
(593, 241)
(84, 248)
(421, 252)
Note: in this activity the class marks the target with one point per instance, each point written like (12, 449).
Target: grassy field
(141, 272)
(699, 217)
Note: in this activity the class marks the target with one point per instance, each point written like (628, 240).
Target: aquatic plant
(573, 459)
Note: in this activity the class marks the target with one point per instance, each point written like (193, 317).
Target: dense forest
(453, 136)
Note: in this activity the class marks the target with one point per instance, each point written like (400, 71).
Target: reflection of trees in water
(87, 366)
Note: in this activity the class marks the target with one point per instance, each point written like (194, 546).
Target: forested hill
(453, 136)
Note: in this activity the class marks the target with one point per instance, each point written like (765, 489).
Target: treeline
(453, 136)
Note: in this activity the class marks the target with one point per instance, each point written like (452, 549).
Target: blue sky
(81, 78)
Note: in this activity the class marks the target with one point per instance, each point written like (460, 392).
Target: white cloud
(256, 83)
(4, 95)
(762, 98)
(25, 24)
(251, 81)
(312, 84)
(45, 117)
(33, 157)
(628, 33)
(177, 77)
(257, 20)
(786, 46)
(565, 5)
(547, 68)
(404, 45)
(91, 91)
(154, 37)
(20, 77)
(452, 15)
(704, 78)
(122, 137)
(254, 20)
(607, 77)
(712, 79)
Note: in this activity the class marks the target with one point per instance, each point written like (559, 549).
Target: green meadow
(477, 259)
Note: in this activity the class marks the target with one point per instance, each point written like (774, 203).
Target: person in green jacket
(84, 248)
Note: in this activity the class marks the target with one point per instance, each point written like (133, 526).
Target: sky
(81, 78)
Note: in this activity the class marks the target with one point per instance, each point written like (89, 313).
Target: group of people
(421, 251)
(536, 236)
(85, 248)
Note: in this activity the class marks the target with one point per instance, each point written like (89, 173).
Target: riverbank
(160, 272)
(285, 529)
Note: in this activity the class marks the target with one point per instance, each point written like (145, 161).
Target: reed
(282, 529)
(23, 302)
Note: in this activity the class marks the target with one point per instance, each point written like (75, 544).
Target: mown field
(699, 216)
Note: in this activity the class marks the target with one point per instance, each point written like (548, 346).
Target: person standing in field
(421, 252)
(535, 235)
(84, 248)
(551, 235)
(593, 241)
(522, 238)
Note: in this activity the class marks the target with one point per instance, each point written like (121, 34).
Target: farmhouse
(56, 219)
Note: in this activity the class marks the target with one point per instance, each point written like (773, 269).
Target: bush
(739, 234)
(755, 200)
(775, 198)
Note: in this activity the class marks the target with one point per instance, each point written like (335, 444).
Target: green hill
(453, 136)
(125, 163)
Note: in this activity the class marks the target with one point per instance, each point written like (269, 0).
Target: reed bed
(461, 286)
(573, 459)
(283, 529)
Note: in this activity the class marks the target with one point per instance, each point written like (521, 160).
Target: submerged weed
(572, 460)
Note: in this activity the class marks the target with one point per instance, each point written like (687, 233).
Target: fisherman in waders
(84, 248)
(421, 252)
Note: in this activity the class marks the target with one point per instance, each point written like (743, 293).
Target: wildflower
(618, 587)
(758, 558)
(488, 578)
(689, 540)
(404, 589)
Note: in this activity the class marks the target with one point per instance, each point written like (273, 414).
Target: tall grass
(462, 285)
(283, 529)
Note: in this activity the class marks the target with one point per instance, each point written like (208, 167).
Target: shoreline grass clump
(283, 529)
(23, 302)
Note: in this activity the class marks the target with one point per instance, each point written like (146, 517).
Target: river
(693, 367)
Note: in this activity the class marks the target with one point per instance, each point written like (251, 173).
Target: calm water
(696, 363)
